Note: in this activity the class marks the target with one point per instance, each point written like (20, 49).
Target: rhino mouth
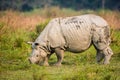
(33, 61)
(37, 62)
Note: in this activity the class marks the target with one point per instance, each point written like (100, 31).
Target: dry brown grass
(18, 20)
(113, 19)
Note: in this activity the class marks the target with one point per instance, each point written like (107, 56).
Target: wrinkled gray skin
(74, 34)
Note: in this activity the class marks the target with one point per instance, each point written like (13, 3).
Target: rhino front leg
(60, 54)
(46, 60)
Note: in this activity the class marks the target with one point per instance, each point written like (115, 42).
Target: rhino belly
(78, 45)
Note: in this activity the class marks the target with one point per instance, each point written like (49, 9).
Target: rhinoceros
(75, 34)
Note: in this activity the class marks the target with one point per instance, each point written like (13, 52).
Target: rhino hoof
(57, 64)
(45, 64)
(106, 63)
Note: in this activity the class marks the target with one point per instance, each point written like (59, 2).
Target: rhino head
(38, 53)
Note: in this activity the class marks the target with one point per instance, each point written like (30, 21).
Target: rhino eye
(36, 44)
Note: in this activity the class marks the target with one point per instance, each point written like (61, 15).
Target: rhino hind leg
(101, 41)
(108, 53)
(99, 56)
(104, 54)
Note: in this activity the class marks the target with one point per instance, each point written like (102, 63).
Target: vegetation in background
(16, 28)
(29, 5)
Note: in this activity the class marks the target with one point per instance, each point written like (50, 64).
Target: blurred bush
(41, 26)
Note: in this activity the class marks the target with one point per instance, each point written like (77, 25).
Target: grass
(17, 28)
(75, 67)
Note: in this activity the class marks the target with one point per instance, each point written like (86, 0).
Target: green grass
(75, 67)
(14, 64)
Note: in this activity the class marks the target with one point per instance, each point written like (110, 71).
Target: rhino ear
(30, 43)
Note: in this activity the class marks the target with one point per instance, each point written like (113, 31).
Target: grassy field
(17, 28)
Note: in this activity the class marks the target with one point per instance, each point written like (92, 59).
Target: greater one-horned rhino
(75, 34)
